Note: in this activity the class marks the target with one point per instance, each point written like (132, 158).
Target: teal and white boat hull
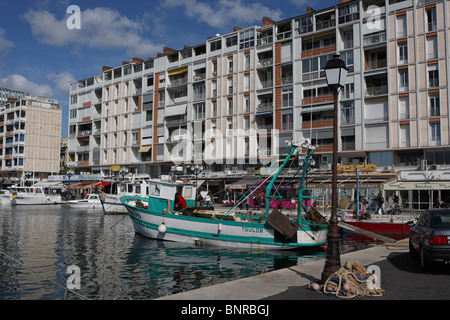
(214, 230)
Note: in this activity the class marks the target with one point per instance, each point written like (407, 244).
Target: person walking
(379, 199)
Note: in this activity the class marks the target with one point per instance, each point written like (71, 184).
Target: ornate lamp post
(196, 169)
(336, 74)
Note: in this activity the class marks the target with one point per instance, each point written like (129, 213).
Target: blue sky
(40, 55)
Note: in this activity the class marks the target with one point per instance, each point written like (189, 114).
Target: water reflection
(114, 262)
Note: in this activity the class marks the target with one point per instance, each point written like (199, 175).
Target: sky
(42, 52)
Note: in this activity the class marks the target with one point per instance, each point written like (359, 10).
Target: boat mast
(302, 187)
(271, 183)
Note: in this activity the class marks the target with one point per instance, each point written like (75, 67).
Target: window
(246, 82)
(246, 39)
(229, 127)
(433, 76)
(246, 124)
(216, 45)
(435, 133)
(214, 89)
(246, 103)
(434, 104)
(199, 110)
(349, 91)
(403, 108)
(73, 113)
(432, 47)
(288, 97)
(230, 65)
(247, 61)
(287, 120)
(401, 26)
(430, 20)
(149, 115)
(348, 113)
(214, 108)
(231, 41)
(404, 136)
(306, 24)
(347, 38)
(312, 68)
(402, 57)
(403, 80)
(230, 105)
(347, 56)
(349, 13)
(230, 85)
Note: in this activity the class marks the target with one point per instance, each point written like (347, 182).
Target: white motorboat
(38, 194)
(91, 201)
(5, 196)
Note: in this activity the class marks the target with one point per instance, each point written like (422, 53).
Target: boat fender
(13, 197)
(162, 228)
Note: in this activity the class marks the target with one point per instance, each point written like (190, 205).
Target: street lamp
(123, 172)
(196, 169)
(336, 74)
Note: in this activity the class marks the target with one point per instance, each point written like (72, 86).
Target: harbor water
(41, 245)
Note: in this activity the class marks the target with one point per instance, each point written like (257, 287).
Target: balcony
(317, 124)
(374, 38)
(376, 64)
(319, 99)
(376, 91)
(318, 51)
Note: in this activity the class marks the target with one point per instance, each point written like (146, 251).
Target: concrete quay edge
(276, 282)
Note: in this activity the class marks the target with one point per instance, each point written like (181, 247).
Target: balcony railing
(376, 64)
(325, 24)
(376, 91)
(374, 38)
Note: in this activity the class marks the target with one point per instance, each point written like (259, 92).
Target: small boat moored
(91, 201)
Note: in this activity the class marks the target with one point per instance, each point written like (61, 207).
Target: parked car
(430, 237)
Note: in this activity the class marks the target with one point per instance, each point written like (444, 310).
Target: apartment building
(7, 94)
(232, 102)
(30, 135)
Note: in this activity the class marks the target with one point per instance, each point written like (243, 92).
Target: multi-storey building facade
(30, 135)
(8, 94)
(238, 97)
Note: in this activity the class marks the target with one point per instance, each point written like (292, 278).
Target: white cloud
(101, 28)
(223, 12)
(20, 83)
(4, 43)
(62, 81)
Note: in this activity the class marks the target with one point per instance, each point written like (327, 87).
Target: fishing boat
(91, 201)
(38, 194)
(117, 190)
(157, 216)
(392, 224)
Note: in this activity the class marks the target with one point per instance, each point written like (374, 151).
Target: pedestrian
(180, 202)
(392, 205)
(437, 203)
(379, 199)
(208, 199)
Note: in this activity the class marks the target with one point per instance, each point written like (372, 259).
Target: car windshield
(441, 220)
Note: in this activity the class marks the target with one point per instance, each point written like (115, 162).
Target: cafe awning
(145, 149)
(178, 71)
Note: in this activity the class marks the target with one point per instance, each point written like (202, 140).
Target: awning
(145, 149)
(242, 184)
(317, 109)
(417, 185)
(175, 111)
(178, 71)
(102, 185)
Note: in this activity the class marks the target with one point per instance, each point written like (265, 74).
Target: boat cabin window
(138, 189)
(37, 190)
(154, 190)
(187, 192)
(130, 188)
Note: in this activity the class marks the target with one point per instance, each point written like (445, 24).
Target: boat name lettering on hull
(134, 214)
(253, 229)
